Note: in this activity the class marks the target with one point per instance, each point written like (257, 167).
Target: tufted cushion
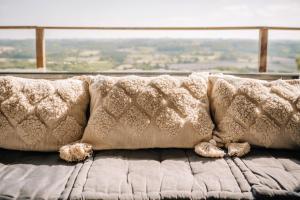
(259, 112)
(144, 112)
(41, 115)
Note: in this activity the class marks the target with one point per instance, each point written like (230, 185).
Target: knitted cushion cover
(259, 112)
(145, 112)
(41, 115)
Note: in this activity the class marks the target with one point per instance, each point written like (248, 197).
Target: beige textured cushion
(144, 112)
(41, 115)
(259, 112)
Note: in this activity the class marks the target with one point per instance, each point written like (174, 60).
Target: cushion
(150, 174)
(145, 112)
(262, 113)
(41, 115)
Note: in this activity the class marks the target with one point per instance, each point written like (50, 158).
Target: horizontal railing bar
(284, 28)
(18, 27)
(179, 73)
(153, 28)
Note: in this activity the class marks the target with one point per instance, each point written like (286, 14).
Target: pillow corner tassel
(75, 152)
(238, 149)
(209, 149)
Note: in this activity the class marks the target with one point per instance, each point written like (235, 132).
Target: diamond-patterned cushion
(41, 115)
(145, 112)
(255, 111)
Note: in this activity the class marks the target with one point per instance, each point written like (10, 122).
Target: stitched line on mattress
(127, 175)
(68, 182)
(163, 175)
(277, 158)
(88, 171)
(227, 161)
(243, 172)
(60, 195)
(221, 189)
(6, 196)
(291, 174)
(257, 175)
(2, 168)
(192, 172)
(28, 173)
(254, 174)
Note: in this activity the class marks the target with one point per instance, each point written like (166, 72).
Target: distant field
(150, 54)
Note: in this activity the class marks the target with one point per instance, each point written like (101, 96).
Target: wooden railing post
(40, 49)
(263, 49)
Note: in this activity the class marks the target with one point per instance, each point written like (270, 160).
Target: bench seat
(150, 174)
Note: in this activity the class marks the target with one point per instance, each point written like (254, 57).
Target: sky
(150, 13)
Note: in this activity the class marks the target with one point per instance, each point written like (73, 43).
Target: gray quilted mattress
(150, 174)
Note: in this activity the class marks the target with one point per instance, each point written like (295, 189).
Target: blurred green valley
(78, 55)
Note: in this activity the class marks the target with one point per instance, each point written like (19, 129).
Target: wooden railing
(263, 37)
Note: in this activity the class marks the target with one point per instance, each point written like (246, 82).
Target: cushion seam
(60, 196)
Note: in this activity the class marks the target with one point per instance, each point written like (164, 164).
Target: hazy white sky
(150, 13)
